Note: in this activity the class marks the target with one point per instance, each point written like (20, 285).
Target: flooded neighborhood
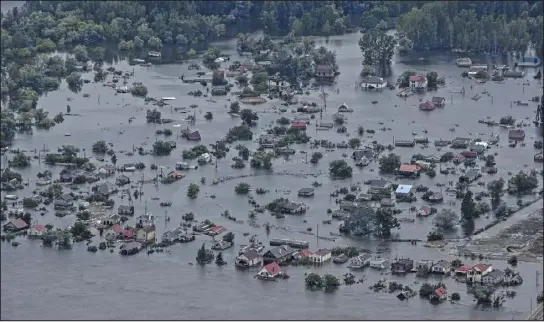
(209, 188)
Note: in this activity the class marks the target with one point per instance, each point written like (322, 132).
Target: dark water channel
(39, 283)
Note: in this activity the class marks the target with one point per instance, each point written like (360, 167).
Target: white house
(249, 258)
(494, 277)
(321, 256)
(373, 82)
(418, 82)
(146, 234)
(294, 208)
(269, 271)
(379, 263)
(475, 274)
(37, 231)
(441, 267)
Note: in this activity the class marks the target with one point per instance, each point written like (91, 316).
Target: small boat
(154, 54)
(67, 134)
(168, 98)
(341, 259)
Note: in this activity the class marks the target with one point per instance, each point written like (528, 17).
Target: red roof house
(439, 294)
(481, 267)
(128, 234)
(469, 154)
(15, 225)
(463, 269)
(270, 270)
(427, 106)
(418, 81)
(304, 253)
(299, 125)
(117, 228)
(516, 134)
(215, 230)
(409, 169)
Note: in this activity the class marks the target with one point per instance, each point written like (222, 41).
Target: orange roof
(273, 268)
(440, 292)
(409, 167)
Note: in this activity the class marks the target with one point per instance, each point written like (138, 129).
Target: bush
(242, 188)
(513, 261)
(455, 296)
(193, 190)
(139, 90)
(340, 169)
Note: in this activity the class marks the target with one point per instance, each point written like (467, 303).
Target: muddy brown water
(37, 282)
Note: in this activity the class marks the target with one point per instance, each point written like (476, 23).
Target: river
(36, 282)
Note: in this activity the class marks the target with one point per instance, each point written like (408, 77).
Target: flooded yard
(37, 281)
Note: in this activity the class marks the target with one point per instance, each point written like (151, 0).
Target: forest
(84, 27)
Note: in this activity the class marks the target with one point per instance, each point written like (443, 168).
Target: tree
(445, 220)
(139, 90)
(523, 183)
(354, 143)
(316, 156)
(360, 130)
(389, 163)
(468, 207)
(260, 82)
(154, 43)
(80, 53)
(20, 160)
(74, 82)
(495, 189)
(208, 116)
(100, 147)
(490, 160)
(262, 160)
(248, 116)
(313, 281)
(229, 237)
(162, 148)
(30, 203)
(219, 260)
(385, 222)
(193, 190)
(242, 188)
(377, 48)
(59, 118)
(234, 107)
(340, 169)
(204, 256)
(432, 79)
(330, 282)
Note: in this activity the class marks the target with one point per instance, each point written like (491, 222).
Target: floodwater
(50, 284)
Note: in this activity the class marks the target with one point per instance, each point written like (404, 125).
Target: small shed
(194, 136)
(516, 134)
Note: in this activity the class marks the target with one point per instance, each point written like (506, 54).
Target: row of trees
(490, 26)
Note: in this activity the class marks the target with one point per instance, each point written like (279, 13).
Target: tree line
(491, 26)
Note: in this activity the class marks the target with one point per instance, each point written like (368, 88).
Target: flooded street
(37, 282)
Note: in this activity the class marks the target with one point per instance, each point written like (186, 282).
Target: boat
(340, 259)
(221, 245)
(463, 62)
(155, 54)
(67, 134)
(522, 103)
(168, 98)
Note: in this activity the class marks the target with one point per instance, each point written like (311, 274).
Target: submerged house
(270, 271)
(278, 254)
(194, 136)
(409, 170)
(402, 266)
(516, 134)
(373, 82)
(306, 192)
(294, 208)
(477, 272)
(15, 225)
(249, 258)
(438, 101)
(418, 82)
(324, 72)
